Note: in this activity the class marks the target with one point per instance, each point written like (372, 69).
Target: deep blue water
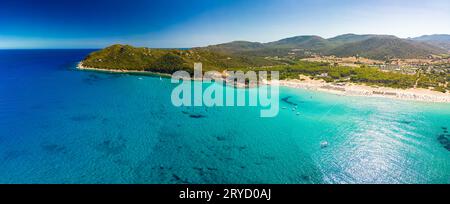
(62, 125)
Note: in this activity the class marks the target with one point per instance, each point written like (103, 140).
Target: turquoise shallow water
(60, 125)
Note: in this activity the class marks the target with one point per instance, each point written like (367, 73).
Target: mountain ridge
(372, 46)
(439, 40)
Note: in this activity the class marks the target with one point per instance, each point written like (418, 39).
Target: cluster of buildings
(434, 64)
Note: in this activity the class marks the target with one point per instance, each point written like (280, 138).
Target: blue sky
(180, 23)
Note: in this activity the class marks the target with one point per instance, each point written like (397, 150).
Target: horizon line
(241, 40)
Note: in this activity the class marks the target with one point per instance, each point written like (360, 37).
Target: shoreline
(351, 89)
(80, 66)
(343, 89)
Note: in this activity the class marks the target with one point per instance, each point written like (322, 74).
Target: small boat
(323, 144)
(140, 78)
(160, 78)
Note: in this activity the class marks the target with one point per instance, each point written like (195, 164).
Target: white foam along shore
(345, 89)
(80, 66)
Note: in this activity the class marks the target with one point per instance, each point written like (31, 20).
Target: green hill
(306, 42)
(351, 38)
(167, 60)
(235, 47)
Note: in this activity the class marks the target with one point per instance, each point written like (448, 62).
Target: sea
(60, 125)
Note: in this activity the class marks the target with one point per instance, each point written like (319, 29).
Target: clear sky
(188, 23)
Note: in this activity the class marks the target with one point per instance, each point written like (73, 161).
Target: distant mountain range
(442, 41)
(370, 46)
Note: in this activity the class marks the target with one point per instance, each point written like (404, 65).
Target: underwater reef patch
(444, 139)
(54, 148)
(405, 122)
(191, 115)
(179, 180)
(93, 78)
(112, 146)
(13, 154)
(196, 116)
(286, 100)
(306, 178)
(149, 172)
(221, 138)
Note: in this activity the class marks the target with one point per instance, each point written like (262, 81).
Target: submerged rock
(197, 116)
(286, 100)
(447, 147)
(443, 140)
(405, 122)
(323, 144)
(112, 146)
(220, 138)
(193, 115)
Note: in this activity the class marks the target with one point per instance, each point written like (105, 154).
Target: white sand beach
(351, 89)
